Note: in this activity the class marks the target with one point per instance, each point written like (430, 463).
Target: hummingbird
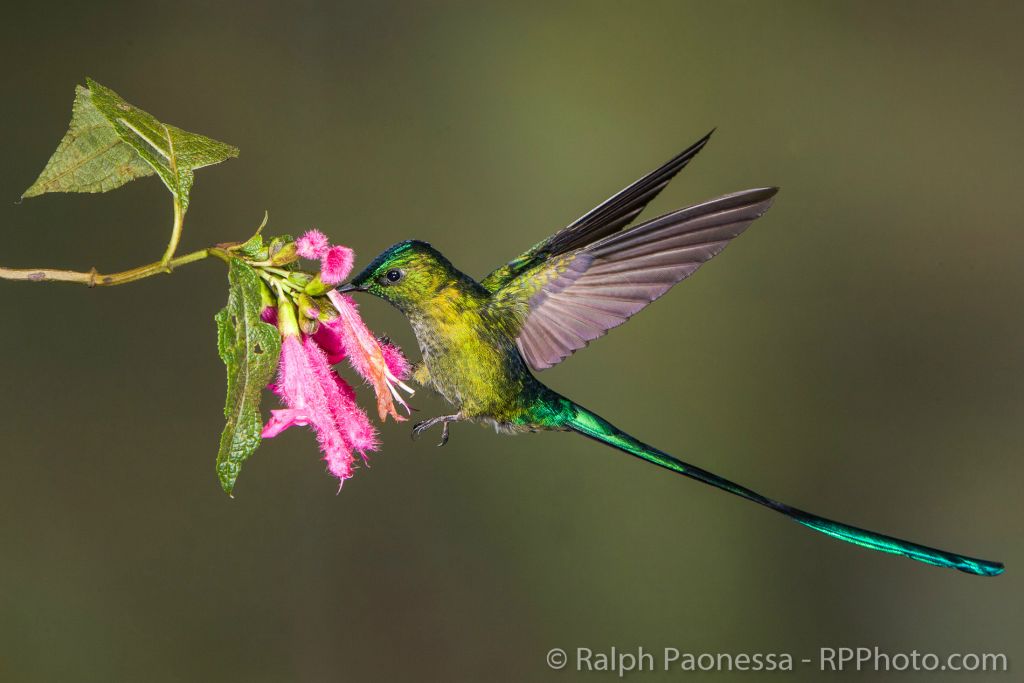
(482, 341)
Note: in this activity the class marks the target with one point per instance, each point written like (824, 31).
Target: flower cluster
(316, 333)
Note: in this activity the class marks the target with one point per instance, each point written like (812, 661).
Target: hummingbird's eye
(394, 275)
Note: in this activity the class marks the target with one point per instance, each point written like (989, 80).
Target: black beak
(350, 288)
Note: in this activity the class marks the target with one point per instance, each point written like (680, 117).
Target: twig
(92, 278)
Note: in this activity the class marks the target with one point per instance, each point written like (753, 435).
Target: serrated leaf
(173, 153)
(252, 247)
(111, 142)
(250, 349)
(92, 157)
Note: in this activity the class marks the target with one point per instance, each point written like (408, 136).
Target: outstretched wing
(564, 303)
(610, 216)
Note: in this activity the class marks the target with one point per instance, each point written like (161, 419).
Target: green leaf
(252, 247)
(91, 157)
(250, 349)
(111, 142)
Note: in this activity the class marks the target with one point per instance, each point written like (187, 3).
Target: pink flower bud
(335, 265)
(312, 245)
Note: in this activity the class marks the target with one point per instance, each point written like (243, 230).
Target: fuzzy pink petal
(353, 421)
(312, 245)
(336, 264)
(336, 454)
(330, 340)
(396, 361)
(349, 419)
(281, 420)
(295, 374)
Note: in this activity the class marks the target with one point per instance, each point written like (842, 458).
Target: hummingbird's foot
(443, 420)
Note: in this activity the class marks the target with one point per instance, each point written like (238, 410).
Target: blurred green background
(856, 353)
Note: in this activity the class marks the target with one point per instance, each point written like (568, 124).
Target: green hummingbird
(480, 341)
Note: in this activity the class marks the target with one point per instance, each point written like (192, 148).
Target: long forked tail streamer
(599, 429)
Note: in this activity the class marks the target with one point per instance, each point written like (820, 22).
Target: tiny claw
(443, 420)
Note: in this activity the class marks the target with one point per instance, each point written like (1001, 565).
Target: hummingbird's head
(407, 275)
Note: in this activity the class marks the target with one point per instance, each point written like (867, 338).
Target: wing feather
(607, 218)
(601, 285)
(620, 209)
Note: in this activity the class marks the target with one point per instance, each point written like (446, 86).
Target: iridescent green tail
(581, 420)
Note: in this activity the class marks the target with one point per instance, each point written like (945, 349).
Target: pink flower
(313, 393)
(316, 396)
(367, 357)
(335, 265)
(312, 245)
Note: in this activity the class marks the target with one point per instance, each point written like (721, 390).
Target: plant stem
(278, 283)
(172, 246)
(94, 279)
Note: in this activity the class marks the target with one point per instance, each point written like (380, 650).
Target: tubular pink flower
(312, 245)
(316, 396)
(336, 264)
(366, 357)
(352, 421)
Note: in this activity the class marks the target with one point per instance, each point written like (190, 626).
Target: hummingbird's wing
(565, 302)
(610, 216)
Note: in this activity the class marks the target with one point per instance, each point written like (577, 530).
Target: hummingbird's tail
(581, 420)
